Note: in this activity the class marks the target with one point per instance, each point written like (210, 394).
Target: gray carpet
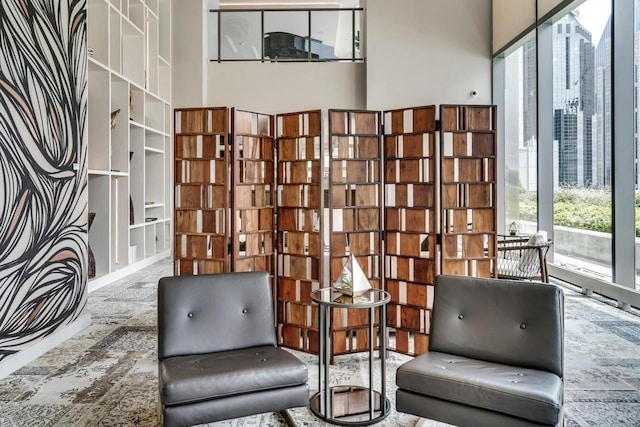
(106, 375)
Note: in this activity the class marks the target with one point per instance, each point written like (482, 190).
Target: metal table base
(350, 405)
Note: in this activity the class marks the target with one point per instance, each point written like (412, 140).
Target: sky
(594, 15)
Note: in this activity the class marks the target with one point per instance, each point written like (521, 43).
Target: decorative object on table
(91, 258)
(114, 116)
(513, 229)
(131, 212)
(352, 280)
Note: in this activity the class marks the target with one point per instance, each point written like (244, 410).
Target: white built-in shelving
(130, 180)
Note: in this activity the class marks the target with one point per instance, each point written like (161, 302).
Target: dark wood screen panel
(253, 189)
(201, 161)
(355, 218)
(468, 190)
(299, 233)
(410, 225)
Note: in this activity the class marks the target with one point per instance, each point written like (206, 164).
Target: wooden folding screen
(253, 191)
(226, 199)
(299, 226)
(410, 224)
(355, 214)
(468, 190)
(201, 202)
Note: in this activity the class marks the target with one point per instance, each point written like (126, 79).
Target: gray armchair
(495, 356)
(217, 350)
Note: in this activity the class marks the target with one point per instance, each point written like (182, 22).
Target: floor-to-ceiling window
(582, 139)
(576, 175)
(520, 136)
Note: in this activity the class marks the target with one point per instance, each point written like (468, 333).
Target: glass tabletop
(333, 297)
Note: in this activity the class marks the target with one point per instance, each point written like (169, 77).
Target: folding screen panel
(201, 161)
(355, 214)
(410, 224)
(468, 190)
(253, 191)
(299, 231)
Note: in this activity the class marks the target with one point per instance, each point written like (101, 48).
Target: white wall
(187, 53)
(428, 52)
(286, 87)
(418, 52)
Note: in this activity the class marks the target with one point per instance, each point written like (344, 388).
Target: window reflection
(521, 144)
(582, 138)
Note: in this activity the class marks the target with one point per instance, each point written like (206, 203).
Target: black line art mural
(43, 175)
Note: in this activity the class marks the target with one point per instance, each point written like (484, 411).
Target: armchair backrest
(214, 312)
(503, 321)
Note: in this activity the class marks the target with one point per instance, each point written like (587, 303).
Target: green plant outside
(586, 209)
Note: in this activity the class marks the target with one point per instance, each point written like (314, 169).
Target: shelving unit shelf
(130, 144)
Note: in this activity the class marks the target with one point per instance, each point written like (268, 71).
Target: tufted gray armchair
(495, 356)
(217, 350)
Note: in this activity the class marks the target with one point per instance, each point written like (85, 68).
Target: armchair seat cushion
(195, 378)
(526, 393)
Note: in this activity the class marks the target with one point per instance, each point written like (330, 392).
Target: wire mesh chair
(518, 259)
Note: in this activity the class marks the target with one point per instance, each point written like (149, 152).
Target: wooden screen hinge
(381, 126)
(438, 125)
(229, 139)
(229, 248)
(275, 143)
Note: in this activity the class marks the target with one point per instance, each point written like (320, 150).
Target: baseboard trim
(107, 279)
(31, 353)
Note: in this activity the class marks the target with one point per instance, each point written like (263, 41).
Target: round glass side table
(350, 405)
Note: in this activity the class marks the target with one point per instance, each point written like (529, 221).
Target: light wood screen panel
(410, 224)
(253, 190)
(468, 190)
(299, 233)
(201, 162)
(355, 214)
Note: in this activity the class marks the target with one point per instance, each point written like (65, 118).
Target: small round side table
(349, 405)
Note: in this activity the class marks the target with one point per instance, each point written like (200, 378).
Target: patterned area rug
(106, 375)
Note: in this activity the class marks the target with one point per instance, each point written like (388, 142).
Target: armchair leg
(159, 413)
(288, 418)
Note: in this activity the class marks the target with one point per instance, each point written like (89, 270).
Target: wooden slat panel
(410, 219)
(299, 225)
(468, 187)
(201, 161)
(253, 188)
(355, 201)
